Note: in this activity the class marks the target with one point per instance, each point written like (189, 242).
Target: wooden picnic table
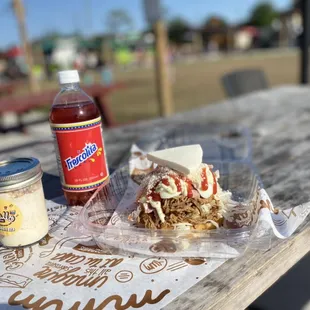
(279, 120)
(23, 104)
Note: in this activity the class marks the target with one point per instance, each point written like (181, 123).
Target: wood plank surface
(279, 120)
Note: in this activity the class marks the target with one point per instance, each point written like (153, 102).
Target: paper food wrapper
(62, 272)
(139, 165)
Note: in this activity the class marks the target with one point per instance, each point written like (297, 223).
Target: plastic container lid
(19, 172)
(68, 76)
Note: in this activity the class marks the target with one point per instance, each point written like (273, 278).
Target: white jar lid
(68, 76)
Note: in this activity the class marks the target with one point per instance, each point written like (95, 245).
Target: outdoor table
(23, 104)
(279, 121)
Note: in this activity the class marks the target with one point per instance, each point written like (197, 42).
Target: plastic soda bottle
(77, 131)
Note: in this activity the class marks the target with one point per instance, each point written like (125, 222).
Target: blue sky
(66, 16)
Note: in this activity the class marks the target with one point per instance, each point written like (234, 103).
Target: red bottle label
(81, 155)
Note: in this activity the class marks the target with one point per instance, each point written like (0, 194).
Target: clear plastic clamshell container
(226, 142)
(105, 217)
(219, 142)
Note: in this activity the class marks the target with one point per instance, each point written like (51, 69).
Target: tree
(214, 22)
(263, 15)
(119, 21)
(177, 30)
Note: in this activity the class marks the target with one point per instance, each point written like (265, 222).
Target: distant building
(244, 37)
(216, 33)
(65, 52)
(290, 26)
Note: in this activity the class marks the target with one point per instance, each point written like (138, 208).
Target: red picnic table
(23, 104)
(6, 89)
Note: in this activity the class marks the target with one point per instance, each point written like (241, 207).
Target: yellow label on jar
(10, 218)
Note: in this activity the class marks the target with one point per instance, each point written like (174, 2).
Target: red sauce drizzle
(204, 179)
(154, 196)
(189, 190)
(165, 181)
(214, 185)
(189, 186)
(177, 183)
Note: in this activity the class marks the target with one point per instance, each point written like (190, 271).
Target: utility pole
(304, 59)
(153, 14)
(20, 17)
(88, 17)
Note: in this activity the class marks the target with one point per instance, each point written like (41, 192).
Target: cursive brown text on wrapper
(42, 303)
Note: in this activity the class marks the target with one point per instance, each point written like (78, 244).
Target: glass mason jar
(23, 214)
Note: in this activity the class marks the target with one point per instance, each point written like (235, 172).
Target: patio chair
(241, 82)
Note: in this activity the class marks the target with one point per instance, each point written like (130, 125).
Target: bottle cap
(68, 76)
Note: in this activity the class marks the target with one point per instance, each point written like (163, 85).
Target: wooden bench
(23, 104)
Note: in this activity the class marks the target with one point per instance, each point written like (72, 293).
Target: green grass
(196, 84)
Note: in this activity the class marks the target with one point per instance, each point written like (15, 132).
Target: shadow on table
(51, 186)
(290, 292)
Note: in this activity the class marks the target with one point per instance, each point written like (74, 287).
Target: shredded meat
(182, 210)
